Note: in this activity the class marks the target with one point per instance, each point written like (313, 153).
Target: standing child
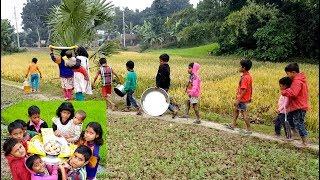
(15, 154)
(35, 123)
(163, 78)
(66, 74)
(62, 122)
(298, 100)
(130, 87)
(244, 94)
(92, 137)
(35, 75)
(76, 126)
(106, 73)
(283, 102)
(193, 90)
(41, 171)
(74, 168)
(17, 132)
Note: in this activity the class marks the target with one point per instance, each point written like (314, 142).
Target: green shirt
(131, 81)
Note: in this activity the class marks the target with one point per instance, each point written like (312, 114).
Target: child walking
(163, 79)
(106, 74)
(39, 170)
(193, 90)
(283, 102)
(35, 75)
(130, 87)
(15, 154)
(244, 94)
(92, 137)
(298, 100)
(66, 74)
(35, 123)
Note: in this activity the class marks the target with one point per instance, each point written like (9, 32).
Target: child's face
(18, 151)
(161, 61)
(189, 69)
(39, 166)
(35, 118)
(78, 119)
(282, 87)
(17, 134)
(128, 68)
(77, 160)
(65, 115)
(291, 74)
(241, 69)
(90, 134)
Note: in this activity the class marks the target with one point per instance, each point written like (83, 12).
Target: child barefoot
(76, 126)
(35, 75)
(193, 89)
(15, 154)
(39, 170)
(35, 123)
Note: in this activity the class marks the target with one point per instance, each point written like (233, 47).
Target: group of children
(83, 164)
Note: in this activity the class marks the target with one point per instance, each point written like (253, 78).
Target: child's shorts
(106, 91)
(242, 106)
(194, 100)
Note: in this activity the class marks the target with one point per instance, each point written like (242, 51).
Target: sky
(7, 8)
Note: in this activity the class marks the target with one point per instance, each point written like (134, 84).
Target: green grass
(96, 111)
(197, 52)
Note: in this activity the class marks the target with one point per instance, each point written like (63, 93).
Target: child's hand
(58, 133)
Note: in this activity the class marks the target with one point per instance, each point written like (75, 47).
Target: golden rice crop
(219, 75)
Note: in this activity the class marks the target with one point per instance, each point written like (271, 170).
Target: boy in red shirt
(244, 93)
(298, 100)
(15, 153)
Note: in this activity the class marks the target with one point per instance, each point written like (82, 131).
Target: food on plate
(52, 148)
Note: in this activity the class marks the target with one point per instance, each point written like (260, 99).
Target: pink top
(196, 82)
(283, 104)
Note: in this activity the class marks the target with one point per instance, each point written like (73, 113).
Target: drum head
(118, 92)
(155, 101)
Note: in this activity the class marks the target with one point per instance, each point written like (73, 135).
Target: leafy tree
(7, 32)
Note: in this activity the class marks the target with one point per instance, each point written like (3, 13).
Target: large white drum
(155, 101)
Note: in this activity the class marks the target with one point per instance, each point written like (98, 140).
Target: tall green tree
(7, 35)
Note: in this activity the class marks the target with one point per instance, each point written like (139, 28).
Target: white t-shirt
(64, 129)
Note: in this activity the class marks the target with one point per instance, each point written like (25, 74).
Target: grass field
(219, 79)
(96, 111)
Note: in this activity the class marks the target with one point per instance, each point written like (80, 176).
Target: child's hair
(286, 81)
(24, 124)
(34, 60)
(69, 54)
(191, 65)
(14, 125)
(246, 64)
(81, 51)
(98, 129)
(130, 64)
(85, 151)
(30, 160)
(33, 110)
(65, 106)
(63, 52)
(102, 61)
(82, 113)
(164, 57)
(8, 145)
(293, 67)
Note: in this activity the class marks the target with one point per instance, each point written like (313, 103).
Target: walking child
(244, 95)
(35, 75)
(106, 74)
(298, 100)
(283, 102)
(163, 79)
(193, 90)
(130, 87)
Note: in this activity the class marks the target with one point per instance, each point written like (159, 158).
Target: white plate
(155, 101)
(51, 159)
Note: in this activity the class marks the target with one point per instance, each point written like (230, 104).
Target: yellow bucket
(26, 87)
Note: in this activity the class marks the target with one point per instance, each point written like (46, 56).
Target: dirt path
(213, 125)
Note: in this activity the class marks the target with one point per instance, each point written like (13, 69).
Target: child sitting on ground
(27, 134)
(106, 73)
(35, 123)
(17, 132)
(35, 75)
(283, 102)
(76, 126)
(62, 122)
(130, 86)
(193, 90)
(15, 154)
(41, 171)
(74, 168)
